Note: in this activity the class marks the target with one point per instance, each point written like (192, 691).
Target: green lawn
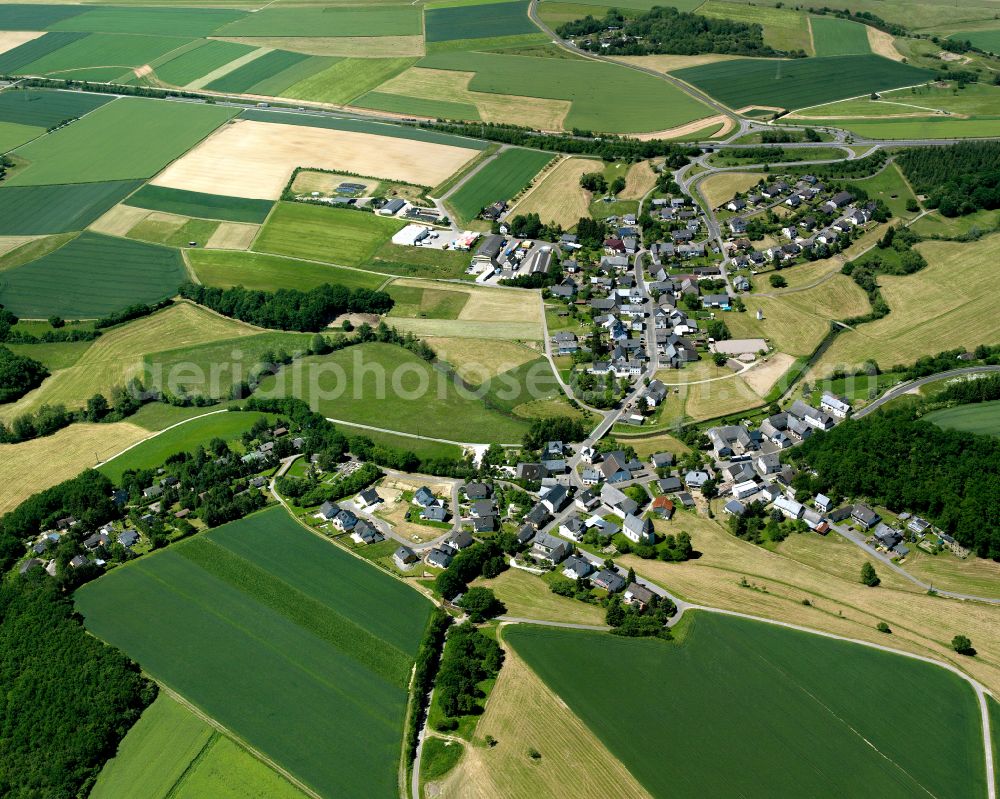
(750, 709)
(501, 179)
(198, 62)
(386, 386)
(320, 233)
(43, 108)
(973, 99)
(395, 259)
(605, 97)
(379, 20)
(799, 83)
(784, 28)
(91, 276)
(187, 437)
(982, 418)
(195, 203)
(288, 650)
(988, 40)
(926, 128)
(833, 36)
(129, 138)
(933, 224)
(38, 210)
(13, 135)
(271, 272)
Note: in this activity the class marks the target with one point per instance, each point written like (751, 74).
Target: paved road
(903, 388)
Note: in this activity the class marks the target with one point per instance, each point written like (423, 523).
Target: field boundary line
(465, 444)
(156, 433)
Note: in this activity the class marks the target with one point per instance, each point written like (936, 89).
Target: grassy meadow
(285, 653)
(254, 270)
(982, 418)
(733, 680)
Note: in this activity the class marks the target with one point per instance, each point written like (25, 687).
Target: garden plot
(255, 159)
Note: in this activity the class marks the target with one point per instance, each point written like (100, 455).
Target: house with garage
(439, 558)
(617, 502)
(865, 517)
(424, 497)
(365, 533)
(404, 558)
(345, 520)
(549, 548)
(610, 581)
(368, 498)
(638, 595)
(576, 567)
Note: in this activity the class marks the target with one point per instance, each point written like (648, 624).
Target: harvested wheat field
(11, 243)
(119, 220)
(719, 397)
(349, 46)
(558, 197)
(778, 583)
(766, 373)
(232, 236)
(883, 44)
(117, 356)
(502, 305)
(11, 39)
(640, 179)
(255, 159)
(35, 465)
(941, 307)
(522, 713)
(477, 359)
(668, 63)
(722, 187)
(452, 86)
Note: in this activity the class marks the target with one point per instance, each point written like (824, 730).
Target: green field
(396, 259)
(935, 225)
(982, 418)
(37, 210)
(319, 233)
(188, 437)
(195, 203)
(91, 276)
(193, 22)
(43, 109)
(799, 83)
(281, 82)
(755, 710)
(13, 135)
(347, 78)
(426, 303)
(973, 99)
(784, 28)
(244, 78)
(501, 179)
(289, 652)
(425, 450)
(193, 64)
(477, 21)
(170, 753)
(833, 36)
(364, 126)
(31, 17)
(605, 97)
(418, 106)
(129, 138)
(925, 128)
(379, 20)
(988, 40)
(92, 52)
(271, 272)
(386, 386)
(890, 187)
(13, 60)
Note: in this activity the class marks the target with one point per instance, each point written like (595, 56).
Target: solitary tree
(868, 575)
(962, 645)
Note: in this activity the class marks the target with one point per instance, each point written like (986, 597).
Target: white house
(835, 406)
(639, 531)
(789, 507)
(745, 489)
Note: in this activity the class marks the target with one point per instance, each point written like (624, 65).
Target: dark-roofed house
(435, 513)
(636, 594)
(439, 558)
(404, 558)
(327, 511)
(576, 567)
(424, 497)
(555, 498)
(662, 460)
(482, 507)
(78, 561)
(368, 497)
(128, 538)
(865, 517)
(458, 541)
(345, 520)
(548, 547)
(365, 533)
(669, 484)
(610, 581)
(476, 491)
(96, 540)
(537, 516)
(615, 469)
(532, 472)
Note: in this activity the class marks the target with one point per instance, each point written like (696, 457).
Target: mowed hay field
(289, 648)
(839, 603)
(271, 272)
(129, 138)
(477, 358)
(941, 307)
(527, 596)
(982, 418)
(498, 180)
(91, 276)
(33, 466)
(558, 197)
(387, 386)
(322, 233)
(574, 762)
(171, 752)
(796, 321)
(802, 82)
(733, 681)
(784, 28)
(720, 188)
(255, 159)
(487, 313)
(116, 357)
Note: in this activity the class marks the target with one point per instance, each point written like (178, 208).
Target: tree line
(469, 658)
(19, 374)
(667, 30)
(288, 309)
(958, 179)
(896, 460)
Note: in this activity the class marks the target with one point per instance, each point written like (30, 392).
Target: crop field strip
(14, 60)
(605, 97)
(379, 20)
(91, 276)
(43, 109)
(189, 22)
(271, 272)
(500, 179)
(127, 139)
(833, 36)
(37, 210)
(472, 21)
(982, 418)
(32, 17)
(745, 680)
(342, 80)
(266, 669)
(802, 82)
(193, 203)
(102, 55)
(245, 78)
(199, 62)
